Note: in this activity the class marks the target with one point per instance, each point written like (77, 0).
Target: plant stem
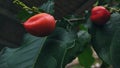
(114, 10)
(25, 7)
(76, 19)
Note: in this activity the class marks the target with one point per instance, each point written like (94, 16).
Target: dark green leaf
(80, 43)
(54, 51)
(86, 58)
(105, 40)
(23, 57)
(115, 49)
(101, 39)
(104, 65)
(48, 6)
(63, 46)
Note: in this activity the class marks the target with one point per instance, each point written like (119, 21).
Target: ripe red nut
(40, 25)
(100, 15)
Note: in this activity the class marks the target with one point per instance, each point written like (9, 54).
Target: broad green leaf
(64, 46)
(54, 51)
(101, 40)
(86, 58)
(56, 47)
(23, 57)
(105, 40)
(115, 49)
(48, 6)
(80, 44)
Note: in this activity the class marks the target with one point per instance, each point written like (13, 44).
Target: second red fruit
(99, 15)
(40, 24)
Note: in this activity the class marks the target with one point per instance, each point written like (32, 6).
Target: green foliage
(86, 58)
(105, 40)
(69, 40)
(23, 57)
(48, 7)
(115, 51)
(63, 48)
(115, 44)
(54, 51)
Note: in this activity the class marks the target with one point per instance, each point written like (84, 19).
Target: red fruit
(40, 24)
(100, 15)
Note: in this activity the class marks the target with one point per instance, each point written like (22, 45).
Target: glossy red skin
(40, 25)
(100, 15)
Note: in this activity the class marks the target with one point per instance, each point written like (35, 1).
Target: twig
(25, 7)
(76, 19)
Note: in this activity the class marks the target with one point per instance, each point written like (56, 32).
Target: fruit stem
(25, 7)
(76, 19)
(112, 9)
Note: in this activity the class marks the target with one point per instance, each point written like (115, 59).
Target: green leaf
(101, 40)
(24, 56)
(86, 58)
(54, 51)
(105, 40)
(64, 46)
(48, 6)
(115, 49)
(56, 47)
(80, 44)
